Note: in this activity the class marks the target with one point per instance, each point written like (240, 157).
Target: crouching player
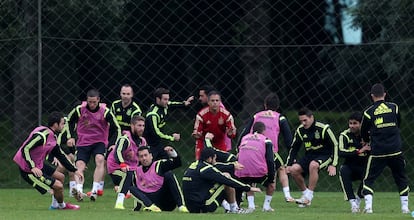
(157, 187)
(31, 157)
(122, 162)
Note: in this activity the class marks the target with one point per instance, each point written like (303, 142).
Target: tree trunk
(256, 60)
(24, 75)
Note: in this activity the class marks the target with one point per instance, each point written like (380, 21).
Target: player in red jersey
(216, 120)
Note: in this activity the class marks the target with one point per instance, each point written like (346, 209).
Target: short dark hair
(259, 127)
(213, 92)
(272, 101)
(207, 89)
(137, 118)
(128, 85)
(54, 117)
(142, 148)
(377, 90)
(355, 116)
(305, 111)
(160, 91)
(93, 93)
(206, 153)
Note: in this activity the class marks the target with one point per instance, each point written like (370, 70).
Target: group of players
(135, 152)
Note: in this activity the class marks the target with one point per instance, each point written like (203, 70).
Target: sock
(250, 201)
(368, 201)
(310, 194)
(225, 205)
(353, 203)
(62, 205)
(72, 185)
(404, 202)
(266, 203)
(234, 206)
(95, 187)
(120, 198)
(54, 202)
(101, 185)
(305, 192)
(79, 187)
(286, 191)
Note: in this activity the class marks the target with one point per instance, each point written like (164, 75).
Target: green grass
(28, 204)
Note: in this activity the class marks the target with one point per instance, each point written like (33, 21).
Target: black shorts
(264, 181)
(43, 183)
(323, 160)
(84, 153)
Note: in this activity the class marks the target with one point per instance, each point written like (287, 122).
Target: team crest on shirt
(208, 122)
(317, 135)
(220, 121)
(129, 112)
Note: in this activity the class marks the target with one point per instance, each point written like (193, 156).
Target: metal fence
(324, 54)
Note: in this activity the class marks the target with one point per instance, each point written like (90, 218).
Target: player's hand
(238, 166)
(79, 175)
(55, 162)
(111, 148)
(365, 147)
(170, 151)
(331, 170)
(231, 132)
(176, 136)
(125, 169)
(37, 172)
(209, 136)
(189, 100)
(255, 189)
(71, 142)
(196, 134)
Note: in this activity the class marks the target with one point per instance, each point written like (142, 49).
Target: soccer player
(157, 187)
(381, 129)
(203, 185)
(156, 119)
(275, 124)
(256, 155)
(122, 162)
(356, 158)
(31, 157)
(216, 120)
(70, 155)
(125, 108)
(321, 151)
(203, 99)
(96, 128)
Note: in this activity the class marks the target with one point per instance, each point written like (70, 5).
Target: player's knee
(99, 160)
(313, 166)
(296, 169)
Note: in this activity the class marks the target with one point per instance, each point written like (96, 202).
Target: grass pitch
(28, 204)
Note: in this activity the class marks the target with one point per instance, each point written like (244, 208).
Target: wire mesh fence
(323, 54)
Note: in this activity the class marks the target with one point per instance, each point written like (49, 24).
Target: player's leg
(298, 171)
(172, 185)
(82, 157)
(283, 177)
(99, 173)
(143, 199)
(270, 188)
(397, 166)
(119, 178)
(345, 177)
(375, 166)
